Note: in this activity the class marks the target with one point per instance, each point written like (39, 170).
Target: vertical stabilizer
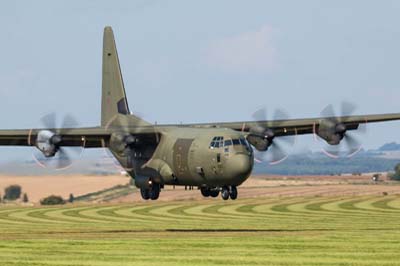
(114, 100)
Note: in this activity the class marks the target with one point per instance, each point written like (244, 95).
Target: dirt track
(285, 191)
(38, 187)
(256, 186)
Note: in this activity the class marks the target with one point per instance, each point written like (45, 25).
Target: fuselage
(203, 157)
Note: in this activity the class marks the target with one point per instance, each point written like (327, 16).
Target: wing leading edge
(92, 137)
(98, 137)
(300, 126)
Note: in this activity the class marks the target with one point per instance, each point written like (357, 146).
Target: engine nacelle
(331, 132)
(261, 138)
(46, 142)
(120, 141)
(332, 139)
(258, 142)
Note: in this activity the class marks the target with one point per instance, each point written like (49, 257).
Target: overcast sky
(200, 61)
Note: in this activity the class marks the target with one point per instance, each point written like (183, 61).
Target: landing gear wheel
(205, 191)
(145, 193)
(233, 193)
(155, 192)
(214, 193)
(225, 193)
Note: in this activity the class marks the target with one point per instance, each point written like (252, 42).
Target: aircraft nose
(240, 165)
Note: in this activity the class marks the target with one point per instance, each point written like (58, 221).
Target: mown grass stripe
(262, 231)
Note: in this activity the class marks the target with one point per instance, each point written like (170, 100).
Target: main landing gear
(151, 193)
(226, 192)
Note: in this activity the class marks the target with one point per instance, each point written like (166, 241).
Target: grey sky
(199, 61)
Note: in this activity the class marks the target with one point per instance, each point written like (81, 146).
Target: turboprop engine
(331, 131)
(261, 138)
(119, 142)
(335, 130)
(47, 142)
(53, 148)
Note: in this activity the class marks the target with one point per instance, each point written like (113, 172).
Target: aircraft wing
(91, 137)
(98, 137)
(301, 126)
(71, 137)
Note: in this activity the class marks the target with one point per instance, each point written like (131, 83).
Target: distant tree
(397, 169)
(71, 198)
(396, 174)
(390, 175)
(52, 200)
(12, 192)
(25, 198)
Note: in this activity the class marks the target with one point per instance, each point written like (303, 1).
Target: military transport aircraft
(214, 157)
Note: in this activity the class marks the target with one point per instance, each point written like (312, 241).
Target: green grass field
(268, 231)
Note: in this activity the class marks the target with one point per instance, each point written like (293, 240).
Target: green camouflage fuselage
(184, 156)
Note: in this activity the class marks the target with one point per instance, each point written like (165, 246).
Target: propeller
(334, 130)
(269, 147)
(49, 153)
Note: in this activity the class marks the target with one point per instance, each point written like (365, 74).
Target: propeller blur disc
(281, 146)
(64, 156)
(350, 144)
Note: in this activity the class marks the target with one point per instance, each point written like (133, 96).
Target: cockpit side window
(241, 141)
(236, 142)
(245, 143)
(228, 142)
(217, 142)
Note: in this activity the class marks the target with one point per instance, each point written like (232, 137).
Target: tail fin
(114, 100)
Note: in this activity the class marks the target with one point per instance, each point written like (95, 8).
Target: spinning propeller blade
(279, 147)
(350, 144)
(62, 158)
